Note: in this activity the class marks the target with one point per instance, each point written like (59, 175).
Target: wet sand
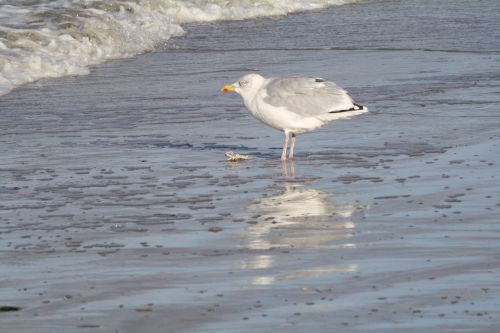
(119, 213)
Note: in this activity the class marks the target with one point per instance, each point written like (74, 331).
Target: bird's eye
(243, 83)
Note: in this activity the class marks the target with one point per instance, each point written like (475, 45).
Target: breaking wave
(52, 38)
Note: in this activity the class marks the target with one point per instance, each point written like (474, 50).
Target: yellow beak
(227, 88)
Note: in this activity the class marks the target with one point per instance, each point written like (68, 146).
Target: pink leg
(285, 145)
(292, 145)
(284, 172)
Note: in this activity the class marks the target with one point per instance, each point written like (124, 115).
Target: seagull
(294, 105)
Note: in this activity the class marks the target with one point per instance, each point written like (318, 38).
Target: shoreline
(113, 190)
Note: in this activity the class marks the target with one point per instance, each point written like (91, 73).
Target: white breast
(278, 117)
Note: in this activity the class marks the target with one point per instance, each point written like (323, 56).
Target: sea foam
(63, 37)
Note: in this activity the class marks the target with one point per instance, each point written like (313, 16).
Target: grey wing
(306, 96)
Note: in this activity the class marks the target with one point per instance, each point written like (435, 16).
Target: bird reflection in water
(284, 168)
(298, 216)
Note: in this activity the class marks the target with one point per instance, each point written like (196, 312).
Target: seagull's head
(246, 86)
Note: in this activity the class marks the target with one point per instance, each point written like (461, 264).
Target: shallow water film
(120, 213)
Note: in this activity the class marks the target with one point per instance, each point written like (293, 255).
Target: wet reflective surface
(118, 211)
(297, 217)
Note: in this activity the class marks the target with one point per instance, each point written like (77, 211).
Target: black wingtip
(356, 107)
(359, 106)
